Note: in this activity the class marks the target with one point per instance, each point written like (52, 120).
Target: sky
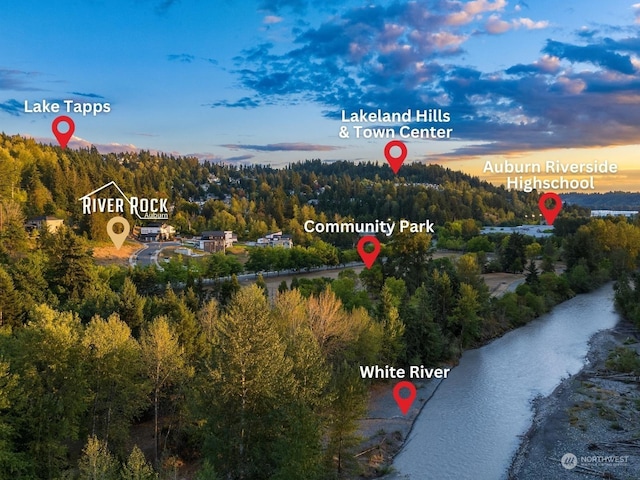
(266, 81)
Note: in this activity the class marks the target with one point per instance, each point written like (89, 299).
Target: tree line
(250, 200)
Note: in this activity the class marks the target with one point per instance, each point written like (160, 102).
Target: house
(217, 240)
(52, 224)
(276, 239)
(155, 232)
(285, 241)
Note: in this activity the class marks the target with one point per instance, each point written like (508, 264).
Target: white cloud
(271, 19)
(496, 25)
(530, 24)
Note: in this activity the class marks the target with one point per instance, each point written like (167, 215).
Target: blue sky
(264, 81)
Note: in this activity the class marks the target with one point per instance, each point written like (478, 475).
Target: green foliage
(131, 306)
(480, 243)
(513, 253)
(283, 287)
(260, 390)
(580, 280)
(221, 265)
(118, 390)
(393, 346)
(624, 360)
(48, 354)
(207, 472)
(13, 464)
(252, 380)
(628, 297)
(409, 257)
(71, 272)
(97, 463)
(423, 336)
(137, 467)
(164, 365)
(532, 276)
(465, 316)
(262, 284)
(348, 406)
(11, 307)
(347, 289)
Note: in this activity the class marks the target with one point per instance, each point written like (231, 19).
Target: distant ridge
(604, 201)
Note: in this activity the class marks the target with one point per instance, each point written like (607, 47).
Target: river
(470, 428)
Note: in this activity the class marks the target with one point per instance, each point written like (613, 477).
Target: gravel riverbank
(590, 425)
(384, 428)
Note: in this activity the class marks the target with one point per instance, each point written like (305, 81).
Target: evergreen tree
(207, 472)
(13, 463)
(163, 359)
(97, 463)
(11, 310)
(118, 390)
(532, 277)
(71, 272)
(513, 256)
(251, 385)
(50, 358)
(348, 406)
(137, 467)
(262, 284)
(393, 346)
(465, 319)
(131, 307)
(423, 336)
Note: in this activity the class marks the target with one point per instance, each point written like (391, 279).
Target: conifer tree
(117, 379)
(137, 467)
(132, 306)
(164, 361)
(97, 463)
(251, 383)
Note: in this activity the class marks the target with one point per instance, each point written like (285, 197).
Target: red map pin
(368, 257)
(395, 162)
(550, 214)
(404, 402)
(63, 137)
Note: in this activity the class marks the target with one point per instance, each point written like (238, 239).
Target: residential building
(275, 239)
(156, 232)
(217, 240)
(52, 224)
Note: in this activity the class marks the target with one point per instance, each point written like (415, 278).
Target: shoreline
(561, 422)
(589, 415)
(384, 430)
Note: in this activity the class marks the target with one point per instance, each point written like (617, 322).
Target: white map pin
(118, 238)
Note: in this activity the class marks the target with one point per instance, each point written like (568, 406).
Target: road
(148, 255)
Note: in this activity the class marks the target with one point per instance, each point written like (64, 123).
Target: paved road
(149, 254)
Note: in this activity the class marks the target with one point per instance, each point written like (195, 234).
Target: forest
(113, 373)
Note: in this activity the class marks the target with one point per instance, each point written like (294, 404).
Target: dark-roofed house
(217, 240)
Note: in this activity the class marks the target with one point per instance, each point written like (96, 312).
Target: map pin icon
(404, 402)
(395, 162)
(550, 214)
(63, 137)
(118, 238)
(368, 257)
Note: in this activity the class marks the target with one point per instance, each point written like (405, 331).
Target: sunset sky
(265, 81)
